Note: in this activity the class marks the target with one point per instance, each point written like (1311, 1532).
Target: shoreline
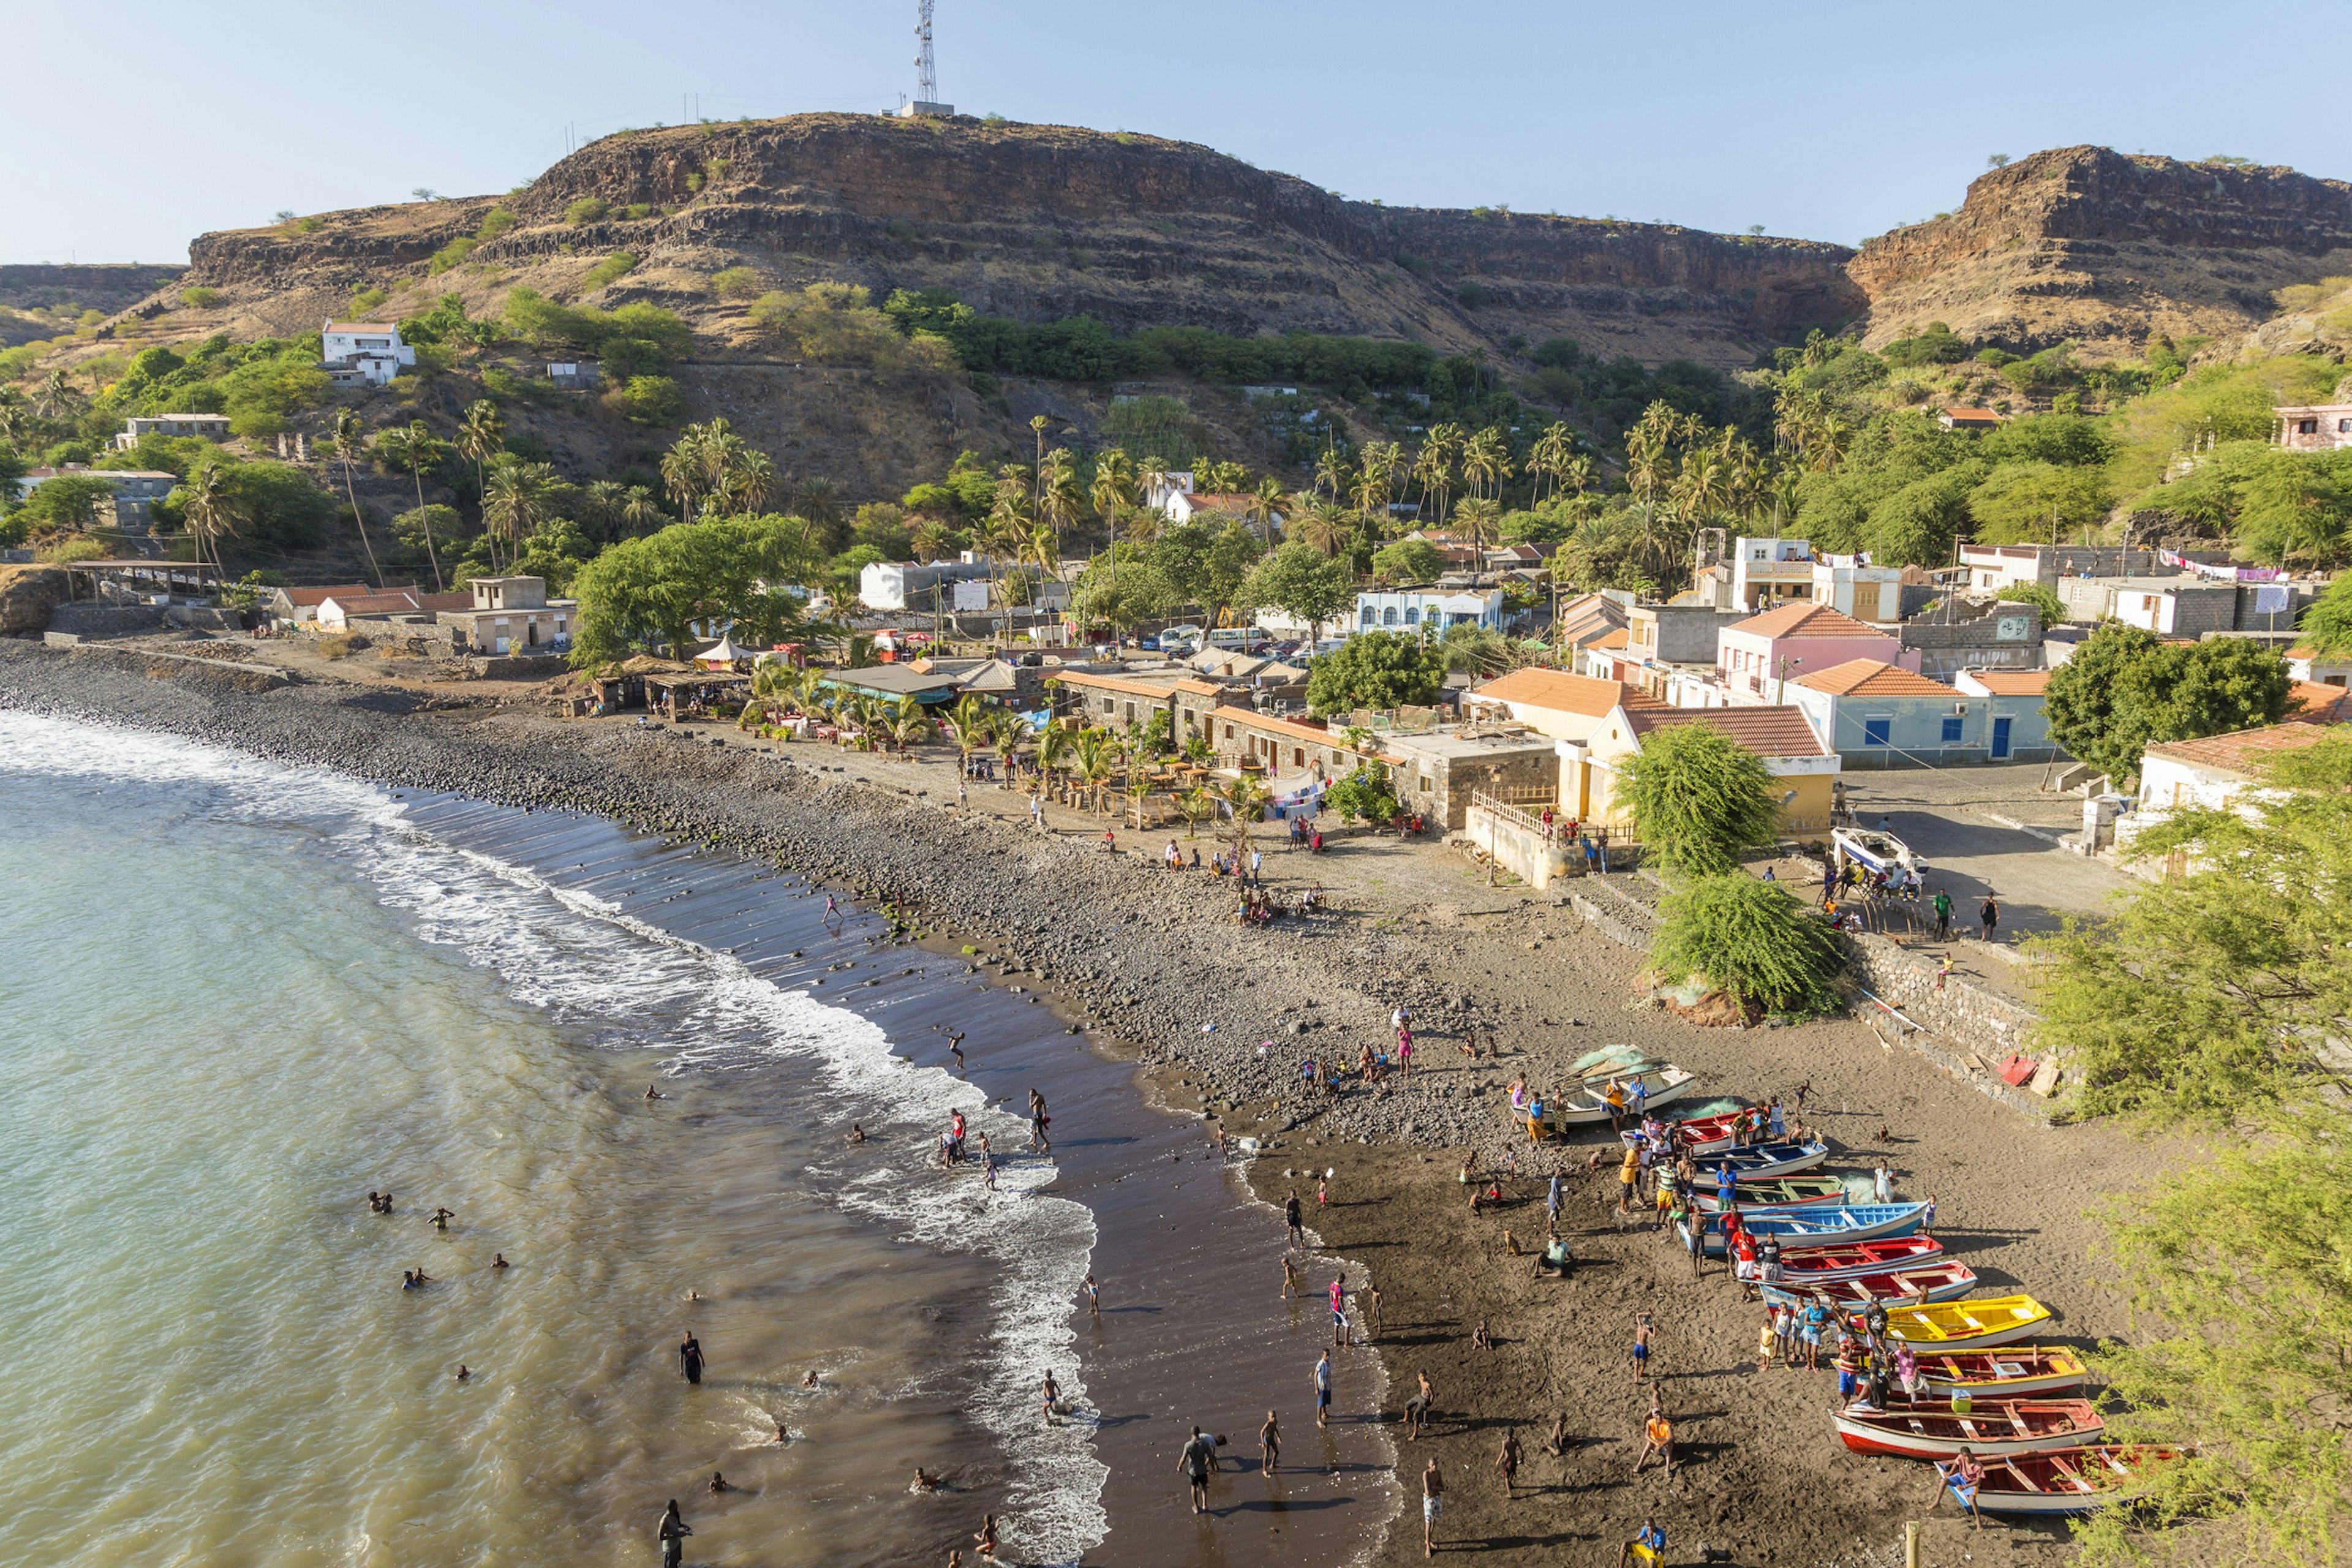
(1141, 962)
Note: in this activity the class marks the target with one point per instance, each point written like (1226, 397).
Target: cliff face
(1040, 222)
(2106, 249)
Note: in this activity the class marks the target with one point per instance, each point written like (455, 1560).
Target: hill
(2106, 249)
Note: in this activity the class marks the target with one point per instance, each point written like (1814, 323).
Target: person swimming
(463, 1374)
(441, 1217)
(653, 1092)
(809, 1379)
(857, 1133)
(924, 1483)
(719, 1483)
(500, 1261)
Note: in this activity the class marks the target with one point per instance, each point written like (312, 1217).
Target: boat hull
(2076, 1480)
(2016, 1371)
(1779, 1193)
(1760, 1162)
(2020, 1427)
(1968, 1325)
(1903, 1287)
(1804, 1266)
(1823, 1227)
(1666, 1085)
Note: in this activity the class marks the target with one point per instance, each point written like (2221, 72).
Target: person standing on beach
(1193, 1463)
(1338, 1312)
(1508, 1461)
(1989, 915)
(1371, 1302)
(689, 1359)
(1416, 1409)
(1289, 1276)
(1094, 1296)
(1432, 1503)
(1643, 1329)
(671, 1534)
(1657, 1437)
(1038, 1121)
(1323, 1389)
(1269, 1446)
(1291, 1217)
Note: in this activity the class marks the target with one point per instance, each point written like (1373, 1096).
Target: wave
(578, 957)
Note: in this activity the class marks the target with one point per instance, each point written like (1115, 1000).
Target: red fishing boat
(2021, 1426)
(1802, 1267)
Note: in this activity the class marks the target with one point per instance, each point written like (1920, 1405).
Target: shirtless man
(1269, 1446)
(1052, 1398)
(441, 1219)
(1508, 1461)
(1433, 1499)
(1416, 1409)
(923, 1482)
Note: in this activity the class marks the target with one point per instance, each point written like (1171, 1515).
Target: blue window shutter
(1951, 731)
(1874, 732)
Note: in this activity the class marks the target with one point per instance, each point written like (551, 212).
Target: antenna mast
(927, 89)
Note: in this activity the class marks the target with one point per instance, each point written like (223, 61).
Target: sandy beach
(1217, 1019)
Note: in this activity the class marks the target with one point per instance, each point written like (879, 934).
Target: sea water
(237, 996)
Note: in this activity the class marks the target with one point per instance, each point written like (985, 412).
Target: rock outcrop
(28, 596)
(2107, 249)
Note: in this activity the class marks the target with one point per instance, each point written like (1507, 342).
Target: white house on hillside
(362, 353)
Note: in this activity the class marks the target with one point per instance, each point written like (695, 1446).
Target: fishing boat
(1943, 1281)
(1706, 1134)
(1966, 1325)
(2021, 1426)
(1819, 1225)
(1759, 1161)
(1588, 1102)
(1608, 1059)
(2012, 1372)
(1802, 1266)
(1777, 1193)
(2069, 1480)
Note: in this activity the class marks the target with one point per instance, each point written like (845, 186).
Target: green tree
(1750, 939)
(1375, 671)
(412, 450)
(1302, 582)
(2327, 624)
(351, 444)
(70, 501)
(739, 570)
(1367, 794)
(2123, 690)
(1698, 799)
(481, 437)
(208, 505)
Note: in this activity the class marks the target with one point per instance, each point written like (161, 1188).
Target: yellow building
(1800, 764)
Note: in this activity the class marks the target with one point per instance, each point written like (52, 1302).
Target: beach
(1213, 1022)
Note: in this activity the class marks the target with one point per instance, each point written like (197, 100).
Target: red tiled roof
(1973, 416)
(2322, 703)
(1779, 732)
(1616, 638)
(359, 326)
(1125, 683)
(1802, 617)
(2012, 682)
(2241, 750)
(1268, 723)
(1557, 689)
(307, 596)
(1871, 678)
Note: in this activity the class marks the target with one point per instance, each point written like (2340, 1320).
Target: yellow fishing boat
(1972, 1325)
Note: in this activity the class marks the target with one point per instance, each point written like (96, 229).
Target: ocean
(240, 995)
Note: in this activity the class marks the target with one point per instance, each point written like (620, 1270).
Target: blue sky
(135, 125)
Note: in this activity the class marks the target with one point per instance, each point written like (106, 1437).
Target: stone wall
(1964, 1028)
(1517, 846)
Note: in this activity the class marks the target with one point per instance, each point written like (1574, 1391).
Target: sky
(1817, 120)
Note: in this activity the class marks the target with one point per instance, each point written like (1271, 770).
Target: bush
(649, 400)
(1364, 796)
(2040, 596)
(203, 299)
(613, 268)
(737, 283)
(1375, 671)
(587, 209)
(1750, 939)
(451, 254)
(366, 299)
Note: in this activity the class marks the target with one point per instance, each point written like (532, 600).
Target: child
(1767, 1340)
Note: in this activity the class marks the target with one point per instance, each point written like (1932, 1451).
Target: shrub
(649, 400)
(75, 549)
(736, 283)
(1750, 939)
(203, 299)
(1364, 796)
(451, 254)
(587, 209)
(638, 209)
(614, 268)
(496, 222)
(366, 299)
(1474, 296)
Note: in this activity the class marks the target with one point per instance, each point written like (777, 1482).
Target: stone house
(512, 615)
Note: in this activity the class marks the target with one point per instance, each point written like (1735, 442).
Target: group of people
(1861, 898)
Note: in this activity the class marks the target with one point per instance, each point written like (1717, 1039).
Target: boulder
(28, 595)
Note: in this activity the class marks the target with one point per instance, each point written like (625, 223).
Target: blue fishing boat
(1819, 1225)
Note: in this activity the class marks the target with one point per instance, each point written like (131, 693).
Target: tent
(721, 655)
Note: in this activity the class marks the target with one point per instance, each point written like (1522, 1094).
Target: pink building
(1754, 656)
(2315, 427)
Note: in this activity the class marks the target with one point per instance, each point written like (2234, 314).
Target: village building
(1802, 767)
(337, 612)
(2017, 723)
(1436, 774)
(1552, 703)
(1429, 609)
(2315, 704)
(913, 585)
(300, 605)
(1183, 506)
(2185, 607)
(512, 616)
(1758, 657)
(1974, 633)
(2314, 427)
(362, 353)
(1869, 711)
(1969, 421)
(210, 426)
(2213, 772)
(1992, 567)
(1128, 700)
(2305, 663)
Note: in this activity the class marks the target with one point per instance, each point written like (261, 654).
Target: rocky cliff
(1041, 222)
(2106, 249)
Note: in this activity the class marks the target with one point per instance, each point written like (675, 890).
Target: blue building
(1428, 610)
(2017, 727)
(1877, 715)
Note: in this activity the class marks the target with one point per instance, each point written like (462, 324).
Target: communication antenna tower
(926, 88)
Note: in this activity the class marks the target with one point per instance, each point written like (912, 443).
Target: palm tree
(1479, 522)
(1265, 507)
(1550, 454)
(1646, 467)
(351, 441)
(1331, 473)
(16, 414)
(481, 437)
(1114, 490)
(1485, 460)
(907, 723)
(1323, 527)
(516, 501)
(748, 483)
(211, 510)
(816, 502)
(1142, 523)
(1053, 747)
(1005, 535)
(58, 395)
(971, 725)
(1059, 498)
(413, 448)
(1198, 804)
(639, 508)
(1578, 473)
(1246, 798)
(1095, 755)
(1041, 423)
(1010, 733)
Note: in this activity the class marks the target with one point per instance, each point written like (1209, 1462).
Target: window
(1413, 614)
(1951, 731)
(1371, 615)
(1298, 756)
(2342, 425)
(1873, 730)
(1388, 617)
(2307, 427)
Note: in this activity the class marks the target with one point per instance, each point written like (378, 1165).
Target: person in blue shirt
(1648, 1546)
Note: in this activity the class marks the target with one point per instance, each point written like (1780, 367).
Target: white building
(362, 353)
(1164, 485)
(1851, 586)
(905, 585)
(2217, 770)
